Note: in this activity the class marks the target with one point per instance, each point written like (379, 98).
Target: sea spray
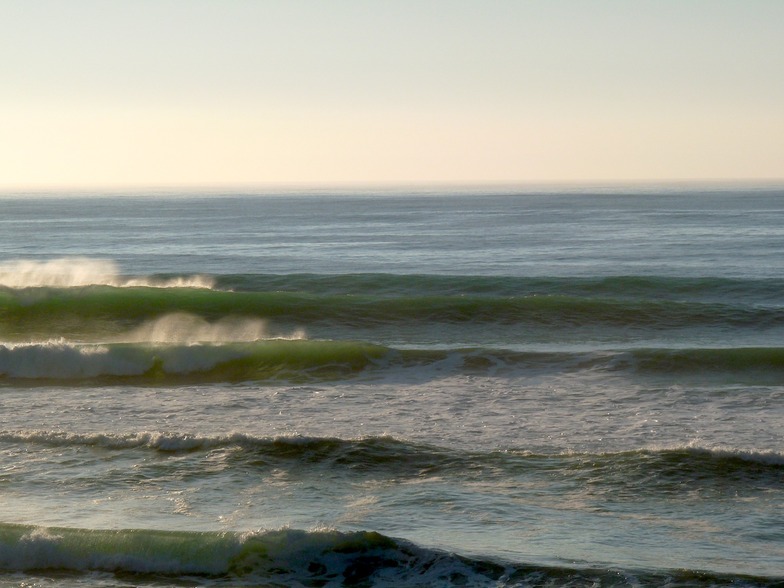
(184, 328)
(75, 272)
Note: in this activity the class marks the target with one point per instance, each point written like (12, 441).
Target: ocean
(440, 387)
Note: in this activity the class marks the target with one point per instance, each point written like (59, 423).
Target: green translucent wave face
(700, 289)
(104, 312)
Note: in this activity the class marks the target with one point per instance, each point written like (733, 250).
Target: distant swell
(287, 557)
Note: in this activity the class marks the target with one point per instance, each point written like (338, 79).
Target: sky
(155, 93)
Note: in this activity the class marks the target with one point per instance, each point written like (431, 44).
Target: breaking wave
(291, 557)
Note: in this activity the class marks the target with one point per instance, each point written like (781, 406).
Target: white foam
(74, 272)
(696, 447)
(148, 439)
(767, 457)
(164, 441)
(762, 456)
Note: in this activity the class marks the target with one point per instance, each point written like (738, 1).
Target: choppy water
(393, 389)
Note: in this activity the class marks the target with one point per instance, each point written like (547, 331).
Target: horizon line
(392, 186)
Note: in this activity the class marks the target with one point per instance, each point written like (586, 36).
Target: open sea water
(393, 388)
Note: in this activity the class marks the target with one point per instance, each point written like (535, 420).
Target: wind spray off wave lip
(75, 272)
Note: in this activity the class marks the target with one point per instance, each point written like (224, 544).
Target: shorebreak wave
(326, 558)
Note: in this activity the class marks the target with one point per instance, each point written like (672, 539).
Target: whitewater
(393, 388)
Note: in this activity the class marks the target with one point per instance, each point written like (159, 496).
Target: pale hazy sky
(195, 92)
